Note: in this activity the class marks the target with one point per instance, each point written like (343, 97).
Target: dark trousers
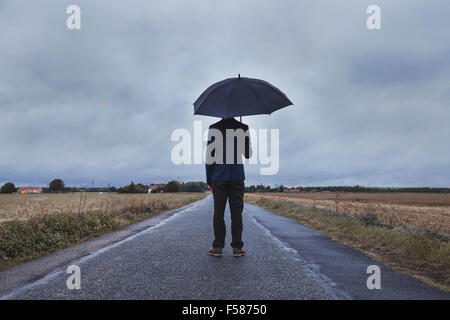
(234, 192)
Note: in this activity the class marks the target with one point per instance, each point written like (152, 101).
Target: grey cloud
(371, 108)
(385, 69)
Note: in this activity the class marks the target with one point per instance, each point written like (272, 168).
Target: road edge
(27, 273)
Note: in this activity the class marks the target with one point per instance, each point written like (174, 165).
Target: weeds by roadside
(422, 253)
(430, 211)
(39, 229)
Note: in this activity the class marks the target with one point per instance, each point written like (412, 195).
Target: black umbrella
(240, 97)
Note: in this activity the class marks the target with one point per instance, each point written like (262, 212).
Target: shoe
(238, 252)
(216, 252)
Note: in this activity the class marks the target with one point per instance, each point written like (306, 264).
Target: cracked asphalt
(169, 260)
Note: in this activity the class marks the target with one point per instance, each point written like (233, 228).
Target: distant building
(153, 187)
(291, 190)
(29, 190)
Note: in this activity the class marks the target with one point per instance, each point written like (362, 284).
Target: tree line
(357, 188)
(171, 186)
(58, 185)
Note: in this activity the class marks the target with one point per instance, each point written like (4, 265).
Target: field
(407, 231)
(15, 206)
(34, 225)
(421, 210)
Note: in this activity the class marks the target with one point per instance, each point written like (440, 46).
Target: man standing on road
(228, 141)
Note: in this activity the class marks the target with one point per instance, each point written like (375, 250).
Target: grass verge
(422, 253)
(40, 233)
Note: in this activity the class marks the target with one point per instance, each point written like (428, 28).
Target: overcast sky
(100, 103)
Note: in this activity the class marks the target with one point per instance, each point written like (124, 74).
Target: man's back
(227, 170)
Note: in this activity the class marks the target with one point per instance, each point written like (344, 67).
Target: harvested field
(34, 225)
(21, 206)
(420, 252)
(421, 210)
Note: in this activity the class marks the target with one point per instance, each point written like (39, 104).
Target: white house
(152, 187)
(28, 190)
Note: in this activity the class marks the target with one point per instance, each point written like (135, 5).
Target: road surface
(165, 257)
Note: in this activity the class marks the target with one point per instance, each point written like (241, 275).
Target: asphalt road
(165, 257)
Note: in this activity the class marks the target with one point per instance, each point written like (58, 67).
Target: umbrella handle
(239, 77)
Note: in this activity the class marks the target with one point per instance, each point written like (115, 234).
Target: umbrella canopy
(240, 96)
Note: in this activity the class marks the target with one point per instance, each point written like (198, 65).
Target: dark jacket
(228, 171)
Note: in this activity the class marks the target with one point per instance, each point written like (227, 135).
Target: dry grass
(15, 206)
(422, 253)
(44, 223)
(417, 210)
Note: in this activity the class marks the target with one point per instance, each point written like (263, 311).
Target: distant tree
(173, 186)
(141, 188)
(194, 187)
(57, 185)
(132, 188)
(8, 187)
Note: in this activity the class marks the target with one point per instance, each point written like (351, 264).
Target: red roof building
(27, 190)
